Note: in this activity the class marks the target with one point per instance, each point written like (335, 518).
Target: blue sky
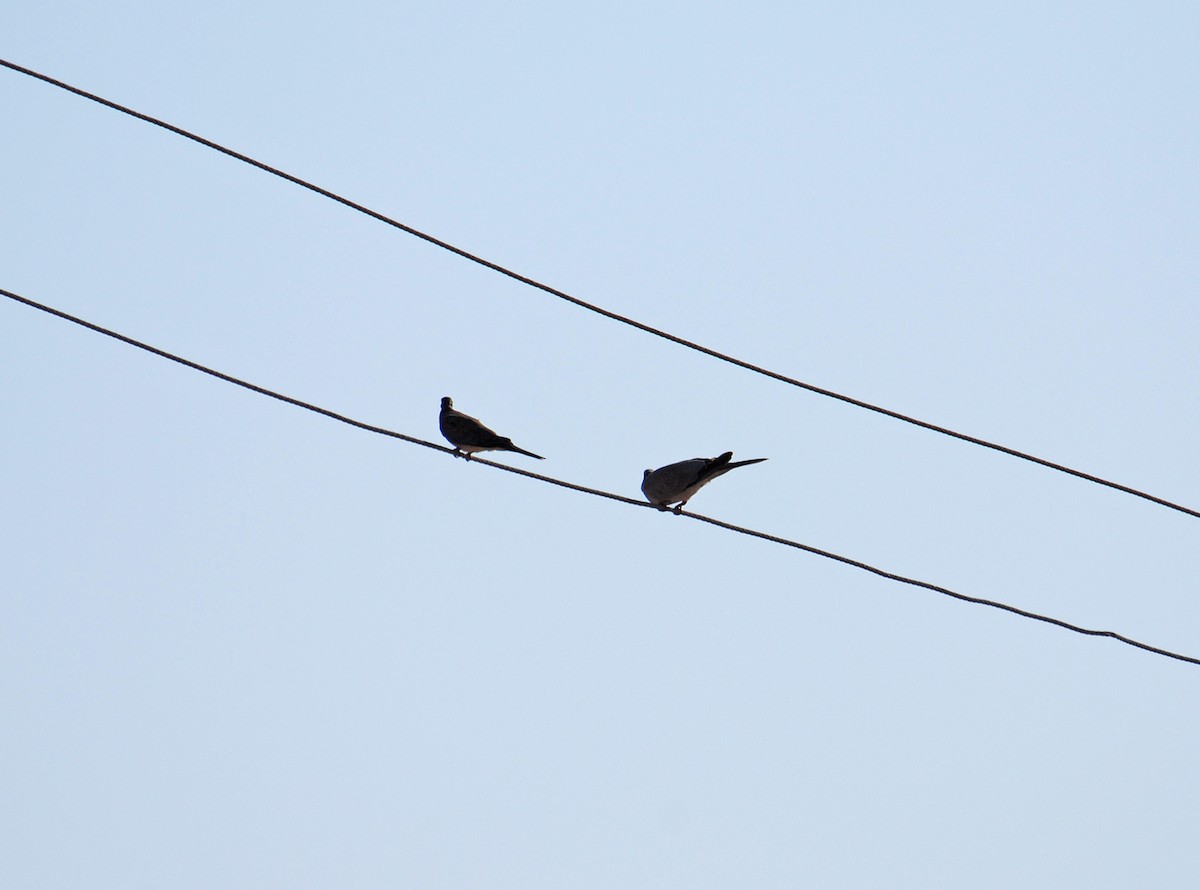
(243, 645)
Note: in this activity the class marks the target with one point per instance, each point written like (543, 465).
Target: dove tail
(512, 447)
(746, 463)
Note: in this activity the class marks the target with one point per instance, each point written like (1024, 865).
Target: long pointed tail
(745, 463)
(512, 447)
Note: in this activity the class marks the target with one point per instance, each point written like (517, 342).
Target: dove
(678, 482)
(468, 435)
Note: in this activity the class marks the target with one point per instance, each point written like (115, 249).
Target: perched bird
(678, 482)
(468, 435)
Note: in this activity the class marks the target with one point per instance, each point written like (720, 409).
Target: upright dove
(468, 435)
(678, 482)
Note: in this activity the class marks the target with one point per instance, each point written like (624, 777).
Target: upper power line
(706, 350)
(775, 539)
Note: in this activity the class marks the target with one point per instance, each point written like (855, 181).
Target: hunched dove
(678, 482)
(468, 435)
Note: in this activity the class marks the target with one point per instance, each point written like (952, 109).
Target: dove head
(447, 402)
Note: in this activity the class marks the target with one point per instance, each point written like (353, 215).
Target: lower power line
(775, 539)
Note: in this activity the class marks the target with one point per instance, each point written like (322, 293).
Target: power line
(891, 576)
(665, 335)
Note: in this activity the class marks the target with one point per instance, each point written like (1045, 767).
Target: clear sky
(244, 646)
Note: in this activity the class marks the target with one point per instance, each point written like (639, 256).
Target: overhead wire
(607, 313)
(845, 560)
